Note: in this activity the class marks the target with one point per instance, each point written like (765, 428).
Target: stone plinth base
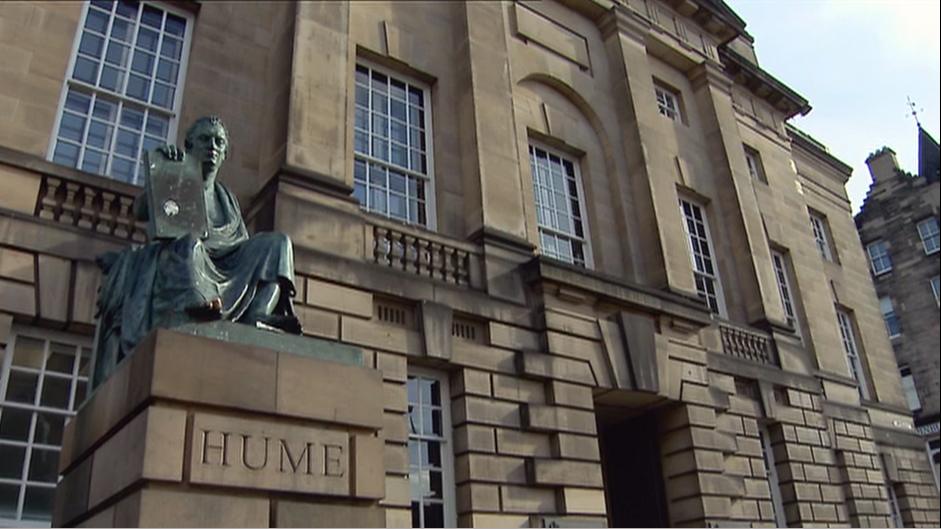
(195, 431)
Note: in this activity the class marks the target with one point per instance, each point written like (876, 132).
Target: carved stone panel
(257, 454)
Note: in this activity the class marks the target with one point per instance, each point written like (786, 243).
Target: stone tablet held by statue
(176, 199)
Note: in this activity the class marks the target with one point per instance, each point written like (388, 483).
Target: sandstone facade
(603, 394)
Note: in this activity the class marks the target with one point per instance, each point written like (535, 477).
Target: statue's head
(208, 140)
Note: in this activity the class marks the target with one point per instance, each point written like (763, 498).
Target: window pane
(117, 54)
(11, 461)
(152, 17)
(99, 135)
(175, 25)
(85, 70)
(14, 424)
(172, 48)
(9, 499)
(38, 503)
(61, 358)
(121, 30)
(21, 387)
(66, 154)
(49, 428)
(138, 87)
(143, 63)
(96, 21)
(111, 78)
(147, 39)
(43, 465)
(434, 515)
(56, 392)
(163, 95)
(91, 45)
(128, 8)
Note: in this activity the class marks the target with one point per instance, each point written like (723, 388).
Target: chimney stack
(883, 165)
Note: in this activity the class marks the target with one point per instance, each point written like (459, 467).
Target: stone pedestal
(197, 431)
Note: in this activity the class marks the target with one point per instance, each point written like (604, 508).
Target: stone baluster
(107, 218)
(462, 273)
(449, 268)
(423, 259)
(411, 254)
(46, 204)
(87, 216)
(379, 245)
(122, 208)
(69, 205)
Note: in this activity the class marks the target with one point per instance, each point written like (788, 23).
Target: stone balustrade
(424, 254)
(89, 207)
(748, 344)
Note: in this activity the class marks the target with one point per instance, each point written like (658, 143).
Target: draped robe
(149, 286)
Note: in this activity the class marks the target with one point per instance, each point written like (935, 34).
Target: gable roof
(929, 156)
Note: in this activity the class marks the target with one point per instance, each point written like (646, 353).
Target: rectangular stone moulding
(258, 454)
(240, 422)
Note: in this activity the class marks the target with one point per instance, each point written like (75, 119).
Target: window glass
(892, 323)
(930, 238)
(879, 260)
(755, 168)
(818, 223)
(848, 337)
(705, 272)
(429, 451)
(559, 209)
(127, 73)
(44, 384)
(782, 274)
(667, 102)
(391, 168)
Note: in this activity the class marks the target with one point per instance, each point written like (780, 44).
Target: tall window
(668, 102)
(755, 168)
(879, 260)
(123, 92)
(782, 272)
(892, 323)
(43, 382)
(908, 386)
(767, 456)
(430, 456)
(819, 225)
(705, 272)
(894, 511)
(392, 171)
(930, 238)
(559, 208)
(848, 336)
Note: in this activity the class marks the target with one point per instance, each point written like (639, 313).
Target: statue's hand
(172, 152)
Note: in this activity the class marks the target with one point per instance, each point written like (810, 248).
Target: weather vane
(911, 105)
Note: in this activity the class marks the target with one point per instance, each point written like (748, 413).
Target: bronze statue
(200, 263)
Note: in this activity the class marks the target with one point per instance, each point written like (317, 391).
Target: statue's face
(210, 145)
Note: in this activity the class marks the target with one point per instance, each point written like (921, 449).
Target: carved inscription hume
(257, 454)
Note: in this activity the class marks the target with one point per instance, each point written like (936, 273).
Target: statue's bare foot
(211, 310)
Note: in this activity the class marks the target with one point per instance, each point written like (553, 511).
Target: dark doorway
(630, 460)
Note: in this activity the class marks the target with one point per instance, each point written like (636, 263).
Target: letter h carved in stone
(222, 448)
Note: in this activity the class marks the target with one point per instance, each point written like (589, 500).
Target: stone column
(320, 105)
(754, 275)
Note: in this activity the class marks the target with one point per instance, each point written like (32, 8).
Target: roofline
(810, 144)
(758, 80)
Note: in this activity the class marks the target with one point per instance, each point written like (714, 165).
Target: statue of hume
(201, 269)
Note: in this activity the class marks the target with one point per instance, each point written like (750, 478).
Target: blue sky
(856, 61)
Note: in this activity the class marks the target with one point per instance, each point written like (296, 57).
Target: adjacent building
(898, 226)
(604, 281)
